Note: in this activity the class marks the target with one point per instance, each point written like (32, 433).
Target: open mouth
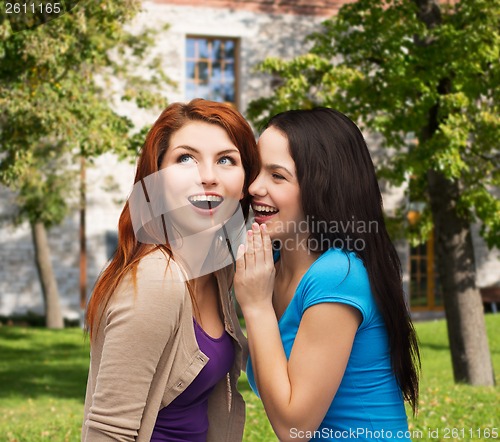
(261, 210)
(205, 202)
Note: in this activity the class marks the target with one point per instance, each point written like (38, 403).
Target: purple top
(185, 419)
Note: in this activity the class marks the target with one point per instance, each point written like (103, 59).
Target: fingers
(240, 253)
(240, 259)
(258, 248)
(250, 251)
(257, 241)
(267, 245)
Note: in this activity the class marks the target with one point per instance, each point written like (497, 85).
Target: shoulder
(336, 267)
(157, 267)
(154, 287)
(338, 276)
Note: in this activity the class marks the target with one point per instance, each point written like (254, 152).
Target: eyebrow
(192, 149)
(273, 166)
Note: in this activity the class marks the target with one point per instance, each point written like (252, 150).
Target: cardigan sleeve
(143, 315)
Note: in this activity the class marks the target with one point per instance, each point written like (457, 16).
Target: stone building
(210, 49)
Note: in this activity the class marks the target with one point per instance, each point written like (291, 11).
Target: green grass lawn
(43, 375)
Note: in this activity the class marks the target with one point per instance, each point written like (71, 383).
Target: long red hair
(129, 251)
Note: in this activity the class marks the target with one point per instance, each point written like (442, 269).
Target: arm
(295, 393)
(138, 325)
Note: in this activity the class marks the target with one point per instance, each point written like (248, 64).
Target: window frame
(432, 283)
(236, 64)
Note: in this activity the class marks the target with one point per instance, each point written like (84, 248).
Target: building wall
(109, 182)
(260, 35)
(298, 7)
(264, 28)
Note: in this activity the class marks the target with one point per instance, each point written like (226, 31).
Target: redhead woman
(333, 353)
(166, 347)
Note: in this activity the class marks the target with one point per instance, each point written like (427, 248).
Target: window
(211, 69)
(425, 290)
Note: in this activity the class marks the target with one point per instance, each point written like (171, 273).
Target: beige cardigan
(145, 354)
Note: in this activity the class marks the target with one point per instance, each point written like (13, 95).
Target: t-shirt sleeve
(140, 320)
(342, 278)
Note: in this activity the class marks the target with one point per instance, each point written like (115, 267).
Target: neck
(294, 261)
(196, 253)
(202, 282)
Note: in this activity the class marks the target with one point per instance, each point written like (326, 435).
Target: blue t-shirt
(368, 405)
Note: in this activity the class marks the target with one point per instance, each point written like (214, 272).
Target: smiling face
(275, 192)
(203, 177)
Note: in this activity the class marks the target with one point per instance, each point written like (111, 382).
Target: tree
(60, 88)
(428, 72)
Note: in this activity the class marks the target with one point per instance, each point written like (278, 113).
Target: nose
(257, 187)
(208, 175)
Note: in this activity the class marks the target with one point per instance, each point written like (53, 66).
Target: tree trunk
(470, 353)
(53, 315)
(83, 246)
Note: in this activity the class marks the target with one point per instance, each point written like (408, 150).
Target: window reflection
(210, 68)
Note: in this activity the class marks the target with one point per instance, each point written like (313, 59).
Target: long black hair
(339, 187)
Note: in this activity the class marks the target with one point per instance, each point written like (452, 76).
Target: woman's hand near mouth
(254, 279)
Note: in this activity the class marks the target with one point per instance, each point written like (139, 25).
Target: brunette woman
(333, 351)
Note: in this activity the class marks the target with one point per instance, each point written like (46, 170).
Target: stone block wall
(297, 7)
(264, 28)
(109, 181)
(108, 185)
